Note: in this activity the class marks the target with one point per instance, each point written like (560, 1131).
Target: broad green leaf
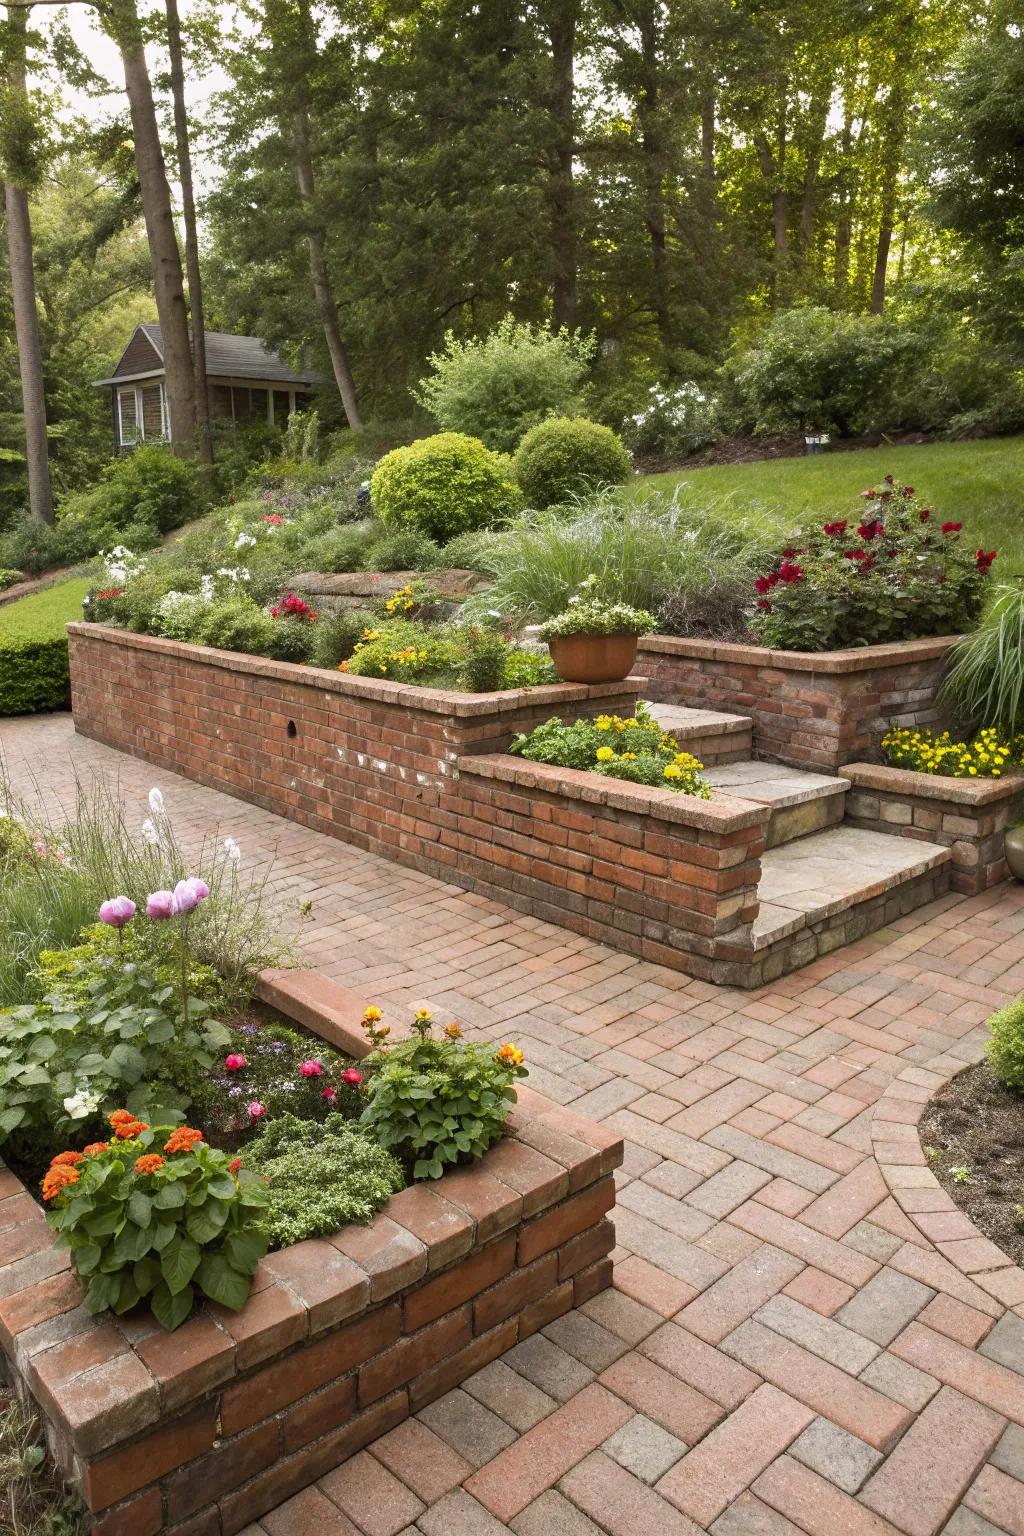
(171, 1308)
(222, 1283)
(179, 1262)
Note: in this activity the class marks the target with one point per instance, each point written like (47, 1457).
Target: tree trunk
(818, 116)
(652, 150)
(325, 302)
(168, 283)
(845, 197)
(26, 317)
(188, 210)
(561, 188)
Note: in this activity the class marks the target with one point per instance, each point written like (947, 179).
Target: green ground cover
(34, 648)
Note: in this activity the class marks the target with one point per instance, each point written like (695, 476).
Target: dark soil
(752, 450)
(976, 1124)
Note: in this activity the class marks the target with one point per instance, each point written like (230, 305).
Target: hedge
(34, 649)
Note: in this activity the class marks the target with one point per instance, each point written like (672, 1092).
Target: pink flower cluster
(118, 911)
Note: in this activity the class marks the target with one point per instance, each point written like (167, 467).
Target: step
(710, 735)
(801, 802)
(833, 887)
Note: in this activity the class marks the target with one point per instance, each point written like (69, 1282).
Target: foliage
(155, 1215)
(34, 648)
(337, 636)
(498, 386)
(898, 573)
(403, 650)
(636, 749)
(237, 624)
(923, 751)
(403, 549)
(320, 1176)
(267, 1070)
(679, 418)
(37, 1502)
(1005, 1049)
(343, 548)
(684, 557)
(9, 578)
(438, 1101)
(985, 682)
(566, 457)
(589, 613)
(443, 486)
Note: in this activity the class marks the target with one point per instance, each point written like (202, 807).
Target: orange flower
(373, 1015)
(66, 1159)
(56, 1179)
(149, 1163)
(510, 1055)
(128, 1130)
(453, 1031)
(234, 1165)
(93, 1148)
(121, 1117)
(183, 1139)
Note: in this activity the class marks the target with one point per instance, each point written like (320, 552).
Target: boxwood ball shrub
(1005, 1047)
(566, 457)
(443, 486)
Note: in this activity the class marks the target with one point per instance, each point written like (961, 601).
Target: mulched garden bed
(973, 1136)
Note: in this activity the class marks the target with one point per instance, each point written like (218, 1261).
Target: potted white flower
(594, 641)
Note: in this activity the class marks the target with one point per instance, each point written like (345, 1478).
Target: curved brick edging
(342, 1338)
(922, 1199)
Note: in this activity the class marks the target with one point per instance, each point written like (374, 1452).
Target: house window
(281, 406)
(153, 424)
(259, 404)
(127, 417)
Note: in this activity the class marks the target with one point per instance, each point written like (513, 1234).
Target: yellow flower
(603, 723)
(373, 1015)
(453, 1031)
(510, 1055)
(673, 771)
(604, 754)
(424, 1015)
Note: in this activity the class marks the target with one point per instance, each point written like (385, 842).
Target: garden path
(784, 1351)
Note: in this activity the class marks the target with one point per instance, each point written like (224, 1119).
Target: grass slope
(34, 648)
(980, 484)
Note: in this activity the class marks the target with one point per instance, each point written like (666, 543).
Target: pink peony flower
(329, 1095)
(188, 894)
(256, 1110)
(311, 1069)
(160, 905)
(117, 912)
(235, 1062)
(351, 1075)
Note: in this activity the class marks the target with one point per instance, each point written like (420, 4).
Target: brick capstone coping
(342, 1337)
(862, 658)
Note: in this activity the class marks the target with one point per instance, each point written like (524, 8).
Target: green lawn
(34, 648)
(979, 484)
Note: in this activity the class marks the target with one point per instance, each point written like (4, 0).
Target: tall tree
(188, 214)
(19, 162)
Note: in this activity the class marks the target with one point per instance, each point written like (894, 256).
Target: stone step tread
(685, 724)
(774, 784)
(815, 877)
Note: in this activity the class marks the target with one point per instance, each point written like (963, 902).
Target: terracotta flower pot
(1015, 852)
(593, 658)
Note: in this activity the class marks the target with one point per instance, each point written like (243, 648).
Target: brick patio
(801, 1338)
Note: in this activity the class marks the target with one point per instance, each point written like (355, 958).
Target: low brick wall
(659, 874)
(810, 709)
(968, 816)
(201, 1431)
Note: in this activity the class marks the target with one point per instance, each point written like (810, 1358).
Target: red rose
(765, 605)
(984, 560)
(949, 528)
(908, 490)
(837, 529)
(790, 573)
(762, 585)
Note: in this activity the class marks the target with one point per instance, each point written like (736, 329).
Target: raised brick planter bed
(810, 709)
(969, 816)
(201, 1431)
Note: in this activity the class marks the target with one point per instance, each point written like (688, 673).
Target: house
(247, 383)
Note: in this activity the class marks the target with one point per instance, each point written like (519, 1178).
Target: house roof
(227, 356)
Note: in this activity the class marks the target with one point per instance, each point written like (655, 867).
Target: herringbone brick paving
(784, 1350)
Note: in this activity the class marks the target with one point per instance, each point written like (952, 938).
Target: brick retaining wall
(810, 709)
(969, 816)
(201, 1431)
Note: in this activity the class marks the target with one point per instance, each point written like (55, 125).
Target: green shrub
(438, 1102)
(675, 418)
(636, 749)
(483, 667)
(179, 616)
(237, 624)
(404, 550)
(149, 486)
(320, 1176)
(404, 651)
(337, 635)
(340, 549)
(15, 845)
(443, 486)
(527, 669)
(155, 1216)
(566, 457)
(468, 552)
(1005, 1047)
(9, 578)
(34, 649)
(32, 546)
(499, 386)
(292, 641)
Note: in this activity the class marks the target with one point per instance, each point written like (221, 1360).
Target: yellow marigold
(604, 754)
(672, 771)
(510, 1055)
(453, 1031)
(372, 1015)
(424, 1015)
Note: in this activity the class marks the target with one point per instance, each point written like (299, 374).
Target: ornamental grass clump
(154, 1214)
(319, 1176)
(986, 757)
(436, 1101)
(635, 749)
(985, 683)
(898, 572)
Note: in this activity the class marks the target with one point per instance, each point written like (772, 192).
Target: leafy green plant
(497, 387)
(437, 1101)
(636, 749)
(985, 683)
(486, 655)
(1005, 1048)
(34, 1499)
(149, 485)
(566, 457)
(405, 549)
(319, 1176)
(337, 636)
(34, 671)
(589, 613)
(527, 669)
(675, 418)
(443, 486)
(8, 578)
(155, 1215)
(237, 624)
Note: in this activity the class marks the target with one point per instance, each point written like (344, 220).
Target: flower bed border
(812, 709)
(969, 816)
(201, 1431)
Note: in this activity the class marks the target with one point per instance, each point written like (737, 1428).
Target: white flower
(233, 851)
(244, 541)
(81, 1104)
(149, 831)
(156, 802)
(206, 589)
